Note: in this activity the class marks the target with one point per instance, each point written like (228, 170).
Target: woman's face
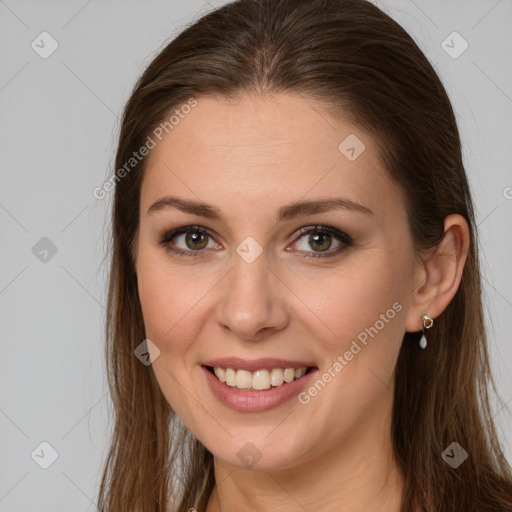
(259, 291)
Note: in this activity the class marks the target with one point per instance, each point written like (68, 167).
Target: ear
(439, 273)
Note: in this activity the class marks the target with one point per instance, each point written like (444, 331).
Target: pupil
(196, 238)
(322, 238)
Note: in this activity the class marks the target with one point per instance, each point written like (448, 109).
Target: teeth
(260, 379)
(230, 377)
(276, 377)
(221, 374)
(289, 374)
(243, 379)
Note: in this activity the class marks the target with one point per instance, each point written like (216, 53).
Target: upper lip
(256, 364)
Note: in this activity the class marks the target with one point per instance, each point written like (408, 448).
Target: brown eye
(188, 241)
(196, 240)
(321, 239)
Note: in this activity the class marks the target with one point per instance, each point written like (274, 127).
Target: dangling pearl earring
(427, 324)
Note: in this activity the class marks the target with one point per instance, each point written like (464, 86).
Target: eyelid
(344, 237)
(183, 230)
(168, 235)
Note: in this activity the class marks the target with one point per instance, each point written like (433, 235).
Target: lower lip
(255, 401)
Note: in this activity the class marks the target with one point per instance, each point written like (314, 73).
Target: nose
(253, 304)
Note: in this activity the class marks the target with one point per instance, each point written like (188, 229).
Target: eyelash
(342, 237)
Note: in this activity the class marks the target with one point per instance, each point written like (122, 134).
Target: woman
(295, 317)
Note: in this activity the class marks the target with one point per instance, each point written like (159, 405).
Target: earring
(427, 324)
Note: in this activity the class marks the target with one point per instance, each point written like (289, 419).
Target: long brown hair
(355, 59)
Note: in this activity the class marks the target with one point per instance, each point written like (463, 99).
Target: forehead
(258, 150)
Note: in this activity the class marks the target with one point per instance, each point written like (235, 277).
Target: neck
(359, 474)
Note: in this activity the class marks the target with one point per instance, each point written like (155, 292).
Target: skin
(248, 158)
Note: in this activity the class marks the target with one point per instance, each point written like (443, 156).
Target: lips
(263, 397)
(255, 401)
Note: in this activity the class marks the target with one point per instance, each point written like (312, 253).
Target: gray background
(58, 127)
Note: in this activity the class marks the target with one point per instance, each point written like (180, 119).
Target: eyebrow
(287, 212)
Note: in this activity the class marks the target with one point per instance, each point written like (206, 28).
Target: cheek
(361, 299)
(167, 300)
(168, 294)
(359, 315)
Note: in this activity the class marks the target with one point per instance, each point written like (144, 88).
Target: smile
(256, 386)
(260, 379)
